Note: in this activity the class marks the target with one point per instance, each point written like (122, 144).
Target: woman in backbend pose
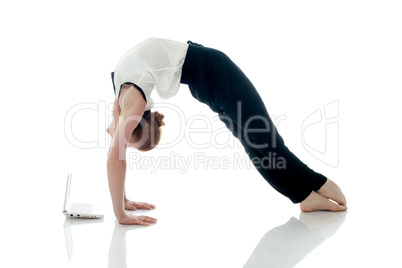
(215, 80)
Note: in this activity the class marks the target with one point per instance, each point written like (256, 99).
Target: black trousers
(214, 79)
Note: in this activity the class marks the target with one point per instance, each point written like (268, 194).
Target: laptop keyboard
(81, 208)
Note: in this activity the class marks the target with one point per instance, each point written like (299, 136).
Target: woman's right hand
(140, 220)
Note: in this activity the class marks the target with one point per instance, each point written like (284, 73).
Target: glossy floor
(202, 222)
(332, 69)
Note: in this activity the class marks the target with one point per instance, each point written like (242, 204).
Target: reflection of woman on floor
(218, 82)
(286, 245)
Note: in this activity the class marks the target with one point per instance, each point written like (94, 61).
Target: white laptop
(79, 210)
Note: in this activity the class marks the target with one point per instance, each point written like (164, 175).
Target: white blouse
(153, 63)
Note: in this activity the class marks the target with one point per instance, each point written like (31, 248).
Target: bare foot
(316, 201)
(332, 191)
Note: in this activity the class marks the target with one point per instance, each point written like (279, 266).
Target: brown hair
(148, 132)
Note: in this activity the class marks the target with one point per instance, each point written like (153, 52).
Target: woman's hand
(131, 205)
(140, 220)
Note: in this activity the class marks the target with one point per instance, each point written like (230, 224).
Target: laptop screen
(67, 192)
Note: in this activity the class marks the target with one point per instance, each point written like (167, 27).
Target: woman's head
(148, 132)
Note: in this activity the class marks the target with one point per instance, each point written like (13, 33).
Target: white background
(300, 55)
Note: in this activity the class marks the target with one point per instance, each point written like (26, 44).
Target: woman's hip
(209, 74)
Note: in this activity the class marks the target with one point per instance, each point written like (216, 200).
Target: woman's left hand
(131, 205)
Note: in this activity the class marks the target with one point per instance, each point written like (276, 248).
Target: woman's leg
(316, 200)
(216, 81)
(245, 114)
(278, 166)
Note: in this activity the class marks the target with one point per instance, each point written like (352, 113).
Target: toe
(339, 208)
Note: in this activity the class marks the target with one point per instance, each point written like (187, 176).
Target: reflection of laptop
(68, 234)
(78, 210)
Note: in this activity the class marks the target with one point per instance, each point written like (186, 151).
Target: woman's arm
(116, 172)
(133, 106)
(116, 113)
